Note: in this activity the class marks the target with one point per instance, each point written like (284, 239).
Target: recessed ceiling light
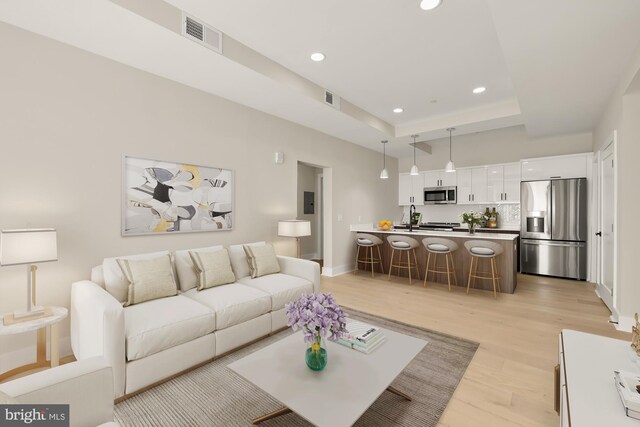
(479, 89)
(398, 110)
(317, 56)
(429, 4)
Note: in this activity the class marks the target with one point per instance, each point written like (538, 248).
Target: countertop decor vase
(472, 219)
(319, 317)
(472, 229)
(316, 355)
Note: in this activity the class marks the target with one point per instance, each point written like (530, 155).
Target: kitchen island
(507, 261)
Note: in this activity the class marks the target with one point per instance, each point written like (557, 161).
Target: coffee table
(336, 396)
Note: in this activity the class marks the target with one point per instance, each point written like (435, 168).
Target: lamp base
(25, 316)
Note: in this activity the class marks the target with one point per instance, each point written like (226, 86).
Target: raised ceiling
(549, 65)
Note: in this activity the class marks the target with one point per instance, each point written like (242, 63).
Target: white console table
(585, 392)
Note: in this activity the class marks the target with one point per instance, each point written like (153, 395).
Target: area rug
(214, 395)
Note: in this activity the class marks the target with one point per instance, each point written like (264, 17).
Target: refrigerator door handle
(551, 243)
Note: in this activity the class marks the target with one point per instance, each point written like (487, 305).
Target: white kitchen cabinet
(439, 179)
(472, 185)
(559, 167)
(503, 183)
(410, 189)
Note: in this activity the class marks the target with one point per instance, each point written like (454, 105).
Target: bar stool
(368, 241)
(435, 247)
(403, 244)
(483, 249)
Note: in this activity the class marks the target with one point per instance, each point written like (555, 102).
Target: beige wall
(308, 181)
(622, 115)
(68, 116)
(496, 146)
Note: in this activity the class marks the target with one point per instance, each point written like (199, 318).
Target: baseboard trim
(336, 271)
(25, 355)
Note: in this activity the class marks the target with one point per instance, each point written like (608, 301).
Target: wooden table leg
(398, 392)
(53, 345)
(280, 412)
(41, 346)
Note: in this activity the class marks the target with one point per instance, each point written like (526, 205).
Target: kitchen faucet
(412, 211)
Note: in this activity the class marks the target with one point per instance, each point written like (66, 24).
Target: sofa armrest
(86, 386)
(97, 328)
(305, 269)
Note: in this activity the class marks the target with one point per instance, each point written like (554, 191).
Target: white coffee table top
(342, 392)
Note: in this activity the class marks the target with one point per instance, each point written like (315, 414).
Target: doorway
(606, 234)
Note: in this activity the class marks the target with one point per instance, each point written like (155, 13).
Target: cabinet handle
(505, 196)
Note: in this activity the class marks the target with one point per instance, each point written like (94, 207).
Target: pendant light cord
(450, 130)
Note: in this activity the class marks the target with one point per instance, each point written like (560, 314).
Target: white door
(464, 186)
(405, 189)
(511, 183)
(606, 234)
(448, 179)
(479, 185)
(432, 179)
(417, 186)
(495, 181)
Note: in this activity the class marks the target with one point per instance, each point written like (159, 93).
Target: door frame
(610, 299)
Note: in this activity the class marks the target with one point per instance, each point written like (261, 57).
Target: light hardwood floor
(510, 380)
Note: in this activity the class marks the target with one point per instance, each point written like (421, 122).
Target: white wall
(622, 114)
(496, 146)
(68, 116)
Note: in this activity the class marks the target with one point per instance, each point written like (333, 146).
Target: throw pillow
(186, 271)
(213, 268)
(262, 260)
(149, 279)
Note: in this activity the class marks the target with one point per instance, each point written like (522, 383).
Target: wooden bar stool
(483, 249)
(436, 246)
(368, 242)
(403, 244)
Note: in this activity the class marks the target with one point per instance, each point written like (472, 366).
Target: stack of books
(362, 337)
(628, 386)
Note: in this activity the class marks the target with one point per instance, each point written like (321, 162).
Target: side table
(40, 325)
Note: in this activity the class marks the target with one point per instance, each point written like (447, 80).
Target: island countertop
(445, 234)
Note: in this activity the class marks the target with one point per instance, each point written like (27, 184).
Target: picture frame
(166, 197)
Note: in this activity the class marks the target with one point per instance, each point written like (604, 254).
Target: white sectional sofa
(148, 342)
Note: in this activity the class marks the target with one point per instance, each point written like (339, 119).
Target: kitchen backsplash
(509, 214)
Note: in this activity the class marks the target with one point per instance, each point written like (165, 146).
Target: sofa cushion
(115, 281)
(282, 288)
(233, 304)
(262, 260)
(160, 324)
(149, 279)
(214, 268)
(187, 275)
(239, 259)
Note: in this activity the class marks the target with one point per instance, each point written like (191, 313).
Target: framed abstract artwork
(165, 197)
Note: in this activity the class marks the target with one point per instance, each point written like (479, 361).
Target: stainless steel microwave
(440, 195)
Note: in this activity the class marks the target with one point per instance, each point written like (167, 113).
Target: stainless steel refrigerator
(553, 231)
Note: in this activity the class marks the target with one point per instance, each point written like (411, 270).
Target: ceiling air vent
(331, 99)
(201, 33)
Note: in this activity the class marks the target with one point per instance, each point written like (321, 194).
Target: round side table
(40, 325)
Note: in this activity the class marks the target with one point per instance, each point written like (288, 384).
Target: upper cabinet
(439, 179)
(503, 183)
(410, 189)
(472, 185)
(560, 167)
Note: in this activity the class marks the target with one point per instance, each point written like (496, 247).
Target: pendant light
(414, 168)
(384, 174)
(450, 166)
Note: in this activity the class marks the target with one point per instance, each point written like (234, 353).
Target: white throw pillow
(214, 268)
(149, 279)
(115, 281)
(187, 275)
(262, 260)
(239, 259)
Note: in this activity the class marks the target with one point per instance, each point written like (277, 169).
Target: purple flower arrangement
(318, 315)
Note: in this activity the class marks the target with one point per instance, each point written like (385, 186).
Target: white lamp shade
(414, 170)
(28, 246)
(384, 174)
(294, 228)
(450, 167)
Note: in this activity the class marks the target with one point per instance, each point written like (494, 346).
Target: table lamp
(28, 247)
(294, 228)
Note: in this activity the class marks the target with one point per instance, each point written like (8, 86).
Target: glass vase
(472, 228)
(316, 355)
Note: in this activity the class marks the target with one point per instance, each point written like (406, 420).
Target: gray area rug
(213, 395)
